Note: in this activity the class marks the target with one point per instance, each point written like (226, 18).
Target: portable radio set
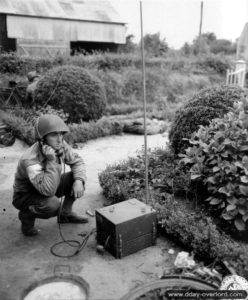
(126, 227)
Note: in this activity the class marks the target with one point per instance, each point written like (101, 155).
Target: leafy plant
(165, 176)
(176, 216)
(219, 158)
(204, 106)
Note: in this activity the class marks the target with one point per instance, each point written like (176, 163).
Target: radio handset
(59, 152)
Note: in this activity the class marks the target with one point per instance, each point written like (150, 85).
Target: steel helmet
(49, 123)
(31, 75)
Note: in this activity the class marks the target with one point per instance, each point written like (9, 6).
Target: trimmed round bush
(73, 89)
(209, 103)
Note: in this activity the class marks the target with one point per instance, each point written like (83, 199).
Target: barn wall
(42, 47)
(35, 28)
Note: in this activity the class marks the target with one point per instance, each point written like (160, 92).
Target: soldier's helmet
(32, 75)
(46, 124)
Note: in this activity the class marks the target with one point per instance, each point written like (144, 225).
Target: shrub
(21, 126)
(179, 218)
(219, 158)
(113, 86)
(81, 133)
(204, 106)
(133, 86)
(223, 46)
(123, 109)
(183, 84)
(73, 89)
(198, 232)
(11, 63)
(165, 176)
(21, 65)
(216, 63)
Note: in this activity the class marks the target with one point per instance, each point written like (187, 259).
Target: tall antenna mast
(200, 28)
(144, 100)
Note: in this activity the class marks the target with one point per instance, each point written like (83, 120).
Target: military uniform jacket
(35, 170)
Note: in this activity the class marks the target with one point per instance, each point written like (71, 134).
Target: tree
(209, 37)
(223, 46)
(154, 46)
(129, 46)
(186, 49)
(202, 44)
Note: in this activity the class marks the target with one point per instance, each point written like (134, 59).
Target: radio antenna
(144, 101)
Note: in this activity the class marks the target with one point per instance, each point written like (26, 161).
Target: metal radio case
(126, 227)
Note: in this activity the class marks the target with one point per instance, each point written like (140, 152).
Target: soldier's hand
(49, 152)
(77, 189)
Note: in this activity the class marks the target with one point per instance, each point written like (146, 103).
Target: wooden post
(144, 100)
(200, 28)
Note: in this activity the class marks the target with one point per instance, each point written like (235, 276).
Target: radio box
(126, 227)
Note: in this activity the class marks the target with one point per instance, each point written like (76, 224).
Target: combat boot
(27, 219)
(67, 216)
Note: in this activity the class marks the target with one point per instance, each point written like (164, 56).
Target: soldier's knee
(47, 209)
(53, 206)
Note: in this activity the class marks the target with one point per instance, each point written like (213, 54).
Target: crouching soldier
(39, 179)
(33, 79)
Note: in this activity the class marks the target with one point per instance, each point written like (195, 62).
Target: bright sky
(179, 20)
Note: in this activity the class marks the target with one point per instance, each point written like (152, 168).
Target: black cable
(71, 243)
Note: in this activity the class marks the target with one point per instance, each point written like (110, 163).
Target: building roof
(85, 10)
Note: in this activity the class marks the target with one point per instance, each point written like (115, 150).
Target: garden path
(25, 260)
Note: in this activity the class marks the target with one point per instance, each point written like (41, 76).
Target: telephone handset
(58, 153)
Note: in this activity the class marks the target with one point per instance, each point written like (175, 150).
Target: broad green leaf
(245, 217)
(216, 169)
(227, 217)
(211, 180)
(213, 162)
(241, 201)
(215, 201)
(244, 179)
(187, 160)
(209, 198)
(225, 190)
(243, 190)
(232, 200)
(242, 210)
(244, 148)
(195, 176)
(224, 154)
(245, 161)
(230, 207)
(227, 141)
(240, 224)
(239, 164)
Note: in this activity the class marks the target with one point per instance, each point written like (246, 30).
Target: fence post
(237, 76)
(240, 69)
(227, 76)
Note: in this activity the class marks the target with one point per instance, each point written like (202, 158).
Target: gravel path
(25, 260)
